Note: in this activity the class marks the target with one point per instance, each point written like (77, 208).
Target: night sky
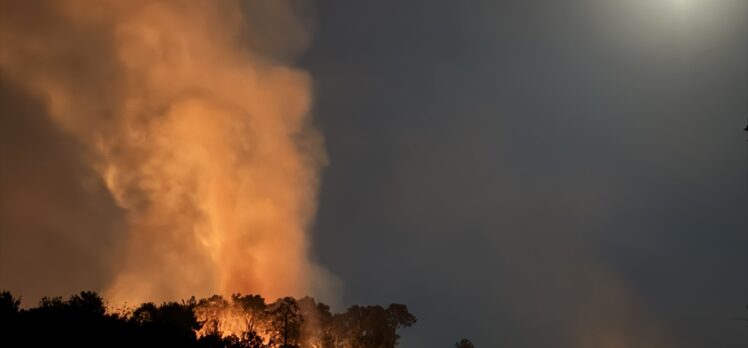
(506, 168)
(521, 173)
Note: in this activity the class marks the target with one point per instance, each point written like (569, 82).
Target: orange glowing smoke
(201, 137)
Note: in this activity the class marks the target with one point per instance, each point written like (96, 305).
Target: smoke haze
(522, 173)
(193, 138)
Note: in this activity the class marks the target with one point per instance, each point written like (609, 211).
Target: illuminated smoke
(199, 129)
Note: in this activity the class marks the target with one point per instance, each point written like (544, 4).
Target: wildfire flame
(228, 319)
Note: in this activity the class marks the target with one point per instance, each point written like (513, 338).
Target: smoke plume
(192, 116)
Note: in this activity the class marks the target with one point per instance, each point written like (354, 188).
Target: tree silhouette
(370, 326)
(254, 306)
(464, 343)
(285, 322)
(82, 321)
(8, 304)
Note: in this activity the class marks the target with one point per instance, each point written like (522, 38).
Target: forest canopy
(245, 321)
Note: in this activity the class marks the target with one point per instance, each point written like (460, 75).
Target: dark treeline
(241, 321)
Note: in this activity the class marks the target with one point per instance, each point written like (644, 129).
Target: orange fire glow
(203, 139)
(229, 319)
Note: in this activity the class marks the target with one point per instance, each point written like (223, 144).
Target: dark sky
(531, 173)
(535, 173)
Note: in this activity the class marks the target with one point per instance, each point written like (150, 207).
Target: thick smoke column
(199, 130)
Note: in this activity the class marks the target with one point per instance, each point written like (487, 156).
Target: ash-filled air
(199, 127)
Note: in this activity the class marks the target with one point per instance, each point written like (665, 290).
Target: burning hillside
(241, 321)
